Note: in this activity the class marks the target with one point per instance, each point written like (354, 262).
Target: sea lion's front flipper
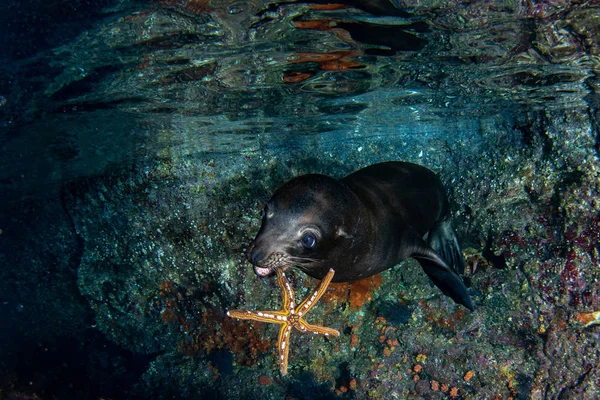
(441, 274)
(443, 240)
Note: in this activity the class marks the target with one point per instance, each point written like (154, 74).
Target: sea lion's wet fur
(363, 224)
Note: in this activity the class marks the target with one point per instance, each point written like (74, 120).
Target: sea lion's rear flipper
(442, 275)
(442, 240)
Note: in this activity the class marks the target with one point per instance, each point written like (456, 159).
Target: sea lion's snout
(266, 259)
(257, 258)
(251, 255)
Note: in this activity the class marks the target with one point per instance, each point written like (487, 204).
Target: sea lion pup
(360, 225)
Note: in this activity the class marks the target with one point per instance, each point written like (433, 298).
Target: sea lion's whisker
(304, 259)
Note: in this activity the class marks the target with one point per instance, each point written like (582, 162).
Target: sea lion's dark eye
(308, 240)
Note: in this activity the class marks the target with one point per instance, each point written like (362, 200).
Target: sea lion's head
(306, 224)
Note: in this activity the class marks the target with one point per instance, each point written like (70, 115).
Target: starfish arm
(283, 345)
(286, 290)
(311, 300)
(317, 329)
(277, 317)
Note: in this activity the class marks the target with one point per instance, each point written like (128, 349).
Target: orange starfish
(291, 316)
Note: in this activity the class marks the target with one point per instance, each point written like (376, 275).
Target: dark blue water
(139, 141)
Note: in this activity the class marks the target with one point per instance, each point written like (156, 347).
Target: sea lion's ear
(444, 277)
(342, 233)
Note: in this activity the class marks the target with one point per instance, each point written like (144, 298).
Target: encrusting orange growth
(453, 392)
(468, 376)
(331, 6)
(354, 340)
(334, 61)
(204, 325)
(356, 293)
(317, 24)
(362, 290)
(264, 380)
(337, 294)
(295, 77)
